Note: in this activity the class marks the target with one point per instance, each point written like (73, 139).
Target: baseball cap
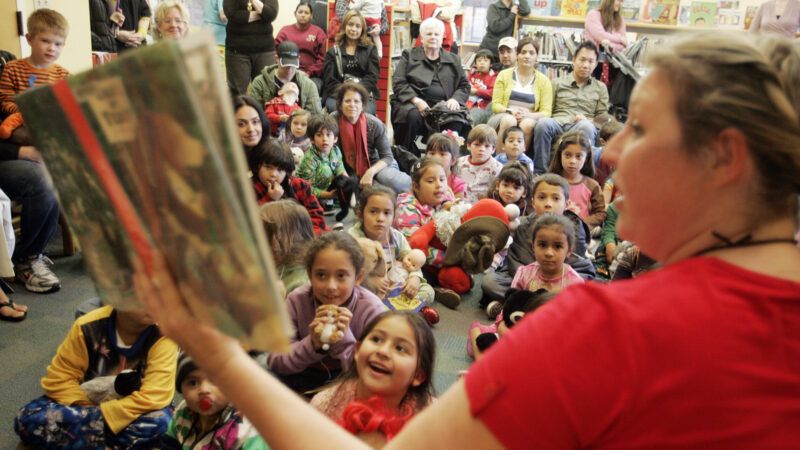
(289, 54)
(507, 41)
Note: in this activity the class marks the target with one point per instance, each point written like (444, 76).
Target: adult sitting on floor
(363, 140)
(577, 99)
(353, 57)
(424, 77)
(265, 87)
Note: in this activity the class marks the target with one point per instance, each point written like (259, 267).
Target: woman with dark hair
(363, 140)
(354, 58)
(250, 121)
(310, 40)
(424, 77)
(605, 26)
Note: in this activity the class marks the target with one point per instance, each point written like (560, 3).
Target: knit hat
(483, 232)
(185, 366)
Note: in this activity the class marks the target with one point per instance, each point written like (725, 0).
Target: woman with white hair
(700, 354)
(172, 20)
(424, 77)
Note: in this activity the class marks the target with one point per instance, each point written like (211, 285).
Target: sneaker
(493, 309)
(447, 297)
(35, 273)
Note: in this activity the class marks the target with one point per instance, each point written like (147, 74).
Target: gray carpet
(26, 348)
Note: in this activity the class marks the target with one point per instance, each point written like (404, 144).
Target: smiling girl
(335, 269)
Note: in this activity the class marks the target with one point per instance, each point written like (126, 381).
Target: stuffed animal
(346, 188)
(374, 264)
(517, 304)
(469, 241)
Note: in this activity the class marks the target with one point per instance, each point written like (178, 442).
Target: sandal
(11, 305)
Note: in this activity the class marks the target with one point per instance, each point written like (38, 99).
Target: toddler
(47, 33)
(279, 109)
(573, 161)
(122, 350)
(272, 165)
(205, 420)
(479, 168)
(294, 133)
(323, 161)
(390, 381)
(553, 240)
(513, 141)
(371, 10)
(481, 79)
(326, 314)
(444, 148)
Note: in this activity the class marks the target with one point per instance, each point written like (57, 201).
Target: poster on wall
(665, 12)
(703, 14)
(630, 10)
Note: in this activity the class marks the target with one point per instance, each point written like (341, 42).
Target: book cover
(630, 10)
(703, 14)
(573, 8)
(665, 12)
(146, 159)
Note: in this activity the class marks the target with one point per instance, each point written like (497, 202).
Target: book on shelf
(665, 12)
(148, 162)
(703, 14)
(544, 8)
(556, 44)
(575, 9)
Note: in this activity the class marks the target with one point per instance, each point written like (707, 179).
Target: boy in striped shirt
(47, 32)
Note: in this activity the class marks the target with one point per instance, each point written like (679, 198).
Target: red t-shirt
(699, 355)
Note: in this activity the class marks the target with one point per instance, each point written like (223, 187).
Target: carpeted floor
(27, 347)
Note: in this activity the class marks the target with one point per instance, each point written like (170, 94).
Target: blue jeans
(25, 182)
(546, 131)
(392, 177)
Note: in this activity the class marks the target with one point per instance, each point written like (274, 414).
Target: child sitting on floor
(272, 165)
(553, 240)
(513, 141)
(479, 168)
(289, 229)
(391, 380)
(326, 314)
(443, 147)
(205, 420)
(279, 109)
(572, 160)
(323, 161)
(110, 385)
(294, 133)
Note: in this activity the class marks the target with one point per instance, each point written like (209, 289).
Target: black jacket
(249, 37)
(414, 74)
(367, 71)
(100, 24)
(500, 23)
(521, 251)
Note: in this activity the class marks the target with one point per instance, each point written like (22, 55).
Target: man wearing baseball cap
(507, 50)
(265, 87)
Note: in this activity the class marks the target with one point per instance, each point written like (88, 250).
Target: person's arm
(330, 75)
(520, 253)
(595, 30)
(281, 36)
(158, 388)
(461, 94)
(545, 89)
(487, 93)
(258, 90)
(602, 102)
(498, 22)
(524, 9)
(449, 10)
(401, 88)
(236, 12)
(272, 113)
(8, 89)
(62, 382)
(381, 143)
(319, 54)
(597, 205)
(269, 11)
(143, 26)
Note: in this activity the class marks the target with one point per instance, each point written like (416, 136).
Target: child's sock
(11, 123)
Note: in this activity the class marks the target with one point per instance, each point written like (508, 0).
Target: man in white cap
(265, 87)
(507, 51)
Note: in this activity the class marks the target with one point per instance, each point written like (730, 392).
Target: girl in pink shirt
(572, 160)
(605, 25)
(553, 240)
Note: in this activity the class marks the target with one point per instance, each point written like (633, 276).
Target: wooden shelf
(635, 27)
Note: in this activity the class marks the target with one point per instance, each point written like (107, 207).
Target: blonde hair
(44, 19)
(724, 80)
(161, 12)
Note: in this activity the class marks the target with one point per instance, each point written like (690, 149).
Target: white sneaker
(37, 276)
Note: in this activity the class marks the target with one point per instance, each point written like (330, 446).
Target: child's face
(510, 192)
(514, 145)
(442, 156)
(46, 47)
(386, 360)
(201, 395)
(271, 175)
(550, 249)
(572, 159)
(324, 140)
(333, 276)
(482, 64)
(299, 126)
(432, 186)
(377, 217)
(549, 198)
(480, 151)
(249, 125)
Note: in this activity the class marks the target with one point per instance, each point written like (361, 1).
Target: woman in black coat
(354, 57)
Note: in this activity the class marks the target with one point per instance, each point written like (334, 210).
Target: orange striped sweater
(19, 75)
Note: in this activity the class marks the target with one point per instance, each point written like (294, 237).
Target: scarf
(353, 138)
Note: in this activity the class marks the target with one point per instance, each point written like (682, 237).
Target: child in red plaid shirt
(272, 165)
(281, 107)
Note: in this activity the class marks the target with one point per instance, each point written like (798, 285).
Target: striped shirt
(19, 76)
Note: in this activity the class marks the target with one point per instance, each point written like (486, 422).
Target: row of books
(555, 44)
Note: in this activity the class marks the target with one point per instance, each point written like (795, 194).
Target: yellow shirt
(541, 88)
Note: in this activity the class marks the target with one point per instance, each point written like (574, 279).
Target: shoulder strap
(339, 67)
